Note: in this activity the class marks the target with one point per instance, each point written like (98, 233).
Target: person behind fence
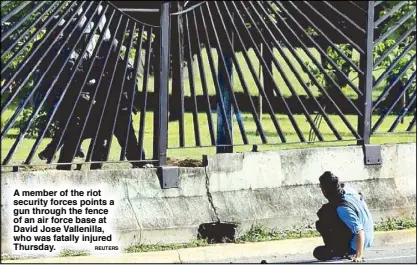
(123, 129)
(54, 41)
(60, 116)
(78, 118)
(62, 113)
(345, 222)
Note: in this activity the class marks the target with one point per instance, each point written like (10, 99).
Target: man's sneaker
(324, 253)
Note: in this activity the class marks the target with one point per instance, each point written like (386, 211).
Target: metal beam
(365, 82)
(135, 10)
(161, 86)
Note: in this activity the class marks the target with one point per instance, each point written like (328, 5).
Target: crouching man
(345, 223)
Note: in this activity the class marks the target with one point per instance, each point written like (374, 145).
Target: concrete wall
(278, 189)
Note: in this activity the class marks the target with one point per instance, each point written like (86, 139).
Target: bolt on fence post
(161, 76)
(365, 82)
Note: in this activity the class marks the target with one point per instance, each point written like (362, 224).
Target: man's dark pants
(336, 235)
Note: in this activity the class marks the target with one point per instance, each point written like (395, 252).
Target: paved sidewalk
(211, 254)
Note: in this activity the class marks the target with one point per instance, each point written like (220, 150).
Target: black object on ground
(217, 232)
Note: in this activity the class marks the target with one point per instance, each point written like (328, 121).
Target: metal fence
(162, 76)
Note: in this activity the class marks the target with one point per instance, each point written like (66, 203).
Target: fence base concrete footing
(277, 189)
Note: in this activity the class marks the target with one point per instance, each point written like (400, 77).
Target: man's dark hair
(330, 183)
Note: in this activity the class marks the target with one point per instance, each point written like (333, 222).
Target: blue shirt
(353, 221)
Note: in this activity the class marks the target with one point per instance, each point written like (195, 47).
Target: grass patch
(256, 233)
(164, 247)
(62, 253)
(5, 256)
(73, 253)
(193, 152)
(260, 233)
(395, 224)
(274, 142)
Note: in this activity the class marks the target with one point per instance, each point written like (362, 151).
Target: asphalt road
(403, 253)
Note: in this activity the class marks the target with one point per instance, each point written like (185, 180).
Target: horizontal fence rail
(161, 77)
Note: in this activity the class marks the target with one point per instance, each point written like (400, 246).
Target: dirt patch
(185, 162)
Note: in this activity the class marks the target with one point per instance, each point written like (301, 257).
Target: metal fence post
(222, 138)
(162, 53)
(177, 35)
(371, 153)
(365, 83)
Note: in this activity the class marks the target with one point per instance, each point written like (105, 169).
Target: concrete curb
(218, 252)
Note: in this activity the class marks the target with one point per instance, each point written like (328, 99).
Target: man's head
(330, 186)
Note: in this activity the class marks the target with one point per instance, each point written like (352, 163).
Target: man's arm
(351, 219)
(360, 240)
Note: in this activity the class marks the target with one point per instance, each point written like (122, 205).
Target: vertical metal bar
(243, 83)
(162, 86)
(138, 62)
(224, 67)
(70, 118)
(214, 74)
(190, 66)
(96, 89)
(107, 102)
(241, 75)
(204, 82)
(230, 49)
(41, 135)
(267, 80)
(177, 96)
(221, 130)
(261, 79)
(122, 89)
(148, 48)
(365, 82)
